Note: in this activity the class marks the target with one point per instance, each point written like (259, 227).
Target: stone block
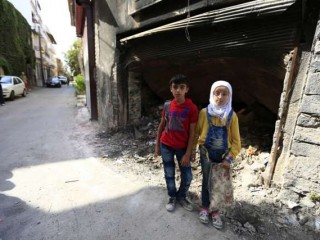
(317, 48)
(307, 135)
(310, 105)
(301, 185)
(315, 66)
(304, 168)
(287, 195)
(305, 120)
(313, 85)
(305, 149)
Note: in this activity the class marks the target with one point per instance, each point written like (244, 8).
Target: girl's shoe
(204, 216)
(216, 220)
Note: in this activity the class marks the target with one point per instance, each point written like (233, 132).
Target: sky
(55, 15)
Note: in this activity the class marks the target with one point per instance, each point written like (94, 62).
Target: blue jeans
(169, 167)
(205, 168)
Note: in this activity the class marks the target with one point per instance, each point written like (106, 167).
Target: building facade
(266, 49)
(43, 42)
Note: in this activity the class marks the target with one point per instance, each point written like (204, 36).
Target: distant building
(43, 42)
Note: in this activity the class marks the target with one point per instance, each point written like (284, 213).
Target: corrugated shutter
(263, 37)
(257, 8)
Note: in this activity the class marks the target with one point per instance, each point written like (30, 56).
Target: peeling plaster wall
(86, 66)
(106, 55)
(302, 167)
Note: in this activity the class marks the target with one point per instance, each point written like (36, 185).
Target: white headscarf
(221, 112)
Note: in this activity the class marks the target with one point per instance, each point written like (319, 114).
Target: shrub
(79, 84)
(314, 197)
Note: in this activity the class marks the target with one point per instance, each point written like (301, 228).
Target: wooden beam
(283, 110)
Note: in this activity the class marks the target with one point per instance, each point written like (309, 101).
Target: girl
(218, 137)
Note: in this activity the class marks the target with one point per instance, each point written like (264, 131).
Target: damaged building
(268, 50)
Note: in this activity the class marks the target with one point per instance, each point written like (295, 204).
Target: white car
(63, 79)
(12, 86)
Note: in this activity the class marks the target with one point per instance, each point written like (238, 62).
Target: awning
(250, 9)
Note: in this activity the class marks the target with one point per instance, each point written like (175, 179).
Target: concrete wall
(301, 171)
(106, 65)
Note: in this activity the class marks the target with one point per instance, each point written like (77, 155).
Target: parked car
(53, 82)
(12, 86)
(63, 79)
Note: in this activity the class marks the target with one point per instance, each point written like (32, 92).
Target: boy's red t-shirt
(180, 116)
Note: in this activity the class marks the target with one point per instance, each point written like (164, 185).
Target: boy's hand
(185, 161)
(193, 156)
(156, 151)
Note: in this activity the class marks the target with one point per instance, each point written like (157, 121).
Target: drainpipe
(89, 8)
(41, 58)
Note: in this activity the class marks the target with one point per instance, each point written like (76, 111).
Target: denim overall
(212, 152)
(217, 140)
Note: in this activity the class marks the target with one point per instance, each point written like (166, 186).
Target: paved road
(52, 186)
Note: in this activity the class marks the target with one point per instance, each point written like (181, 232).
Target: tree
(16, 50)
(72, 58)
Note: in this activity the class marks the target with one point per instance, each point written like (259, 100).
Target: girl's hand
(225, 164)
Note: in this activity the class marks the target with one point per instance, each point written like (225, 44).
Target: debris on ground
(259, 213)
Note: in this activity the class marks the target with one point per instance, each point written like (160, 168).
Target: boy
(175, 138)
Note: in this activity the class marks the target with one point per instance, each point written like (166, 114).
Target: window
(17, 81)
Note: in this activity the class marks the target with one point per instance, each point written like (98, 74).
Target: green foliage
(314, 197)
(15, 40)
(72, 58)
(79, 84)
(5, 65)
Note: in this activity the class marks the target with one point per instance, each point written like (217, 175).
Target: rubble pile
(260, 212)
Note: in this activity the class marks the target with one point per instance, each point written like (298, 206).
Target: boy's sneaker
(204, 216)
(171, 205)
(216, 220)
(185, 204)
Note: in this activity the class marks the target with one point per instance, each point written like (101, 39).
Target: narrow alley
(52, 186)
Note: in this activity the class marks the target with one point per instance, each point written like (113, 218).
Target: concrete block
(307, 135)
(306, 120)
(317, 48)
(310, 105)
(315, 66)
(304, 149)
(313, 84)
